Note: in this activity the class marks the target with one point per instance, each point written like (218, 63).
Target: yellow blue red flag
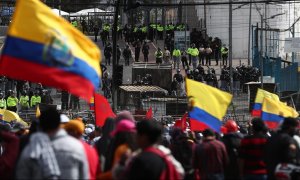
(43, 47)
(260, 95)
(273, 112)
(209, 105)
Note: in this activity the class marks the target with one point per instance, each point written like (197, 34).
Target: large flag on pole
(260, 95)
(209, 105)
(43, 47)
(273, 112)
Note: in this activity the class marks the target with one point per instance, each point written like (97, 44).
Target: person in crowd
(127, 55)
(24, 101)
(210, 157)
(159, 56)
(46, 97)
(75, 128)
(64, 100)
(52, 153)
(194, 55)
(119, 52)
(103, 143)
(107, 54)
(12, 101)
(166, 56)
(35, 100)
(74, 103)
(145, 50)
(184, 59)
(251, 152)
(208, 52)
(176, 57)
(123, 144)
(182, 150)
(9, 146)
(189, 50)
(2, 101)
(232, 140)
(224, 53)
(152, 161)
(201, 54)
(282, 147)
(137, 49)
(96, 31)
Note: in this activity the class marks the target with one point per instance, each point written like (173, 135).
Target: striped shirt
(252, 152)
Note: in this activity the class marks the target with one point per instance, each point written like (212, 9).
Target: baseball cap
(124, 126)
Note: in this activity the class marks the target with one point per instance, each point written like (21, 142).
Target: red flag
(149, 114)
(182, 122)
(102, 110)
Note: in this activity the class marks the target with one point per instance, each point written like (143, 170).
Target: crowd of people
(55, 147)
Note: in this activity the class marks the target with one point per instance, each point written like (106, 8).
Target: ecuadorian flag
(273, 112)
(43, 47)
(209, 105)
(260, 95)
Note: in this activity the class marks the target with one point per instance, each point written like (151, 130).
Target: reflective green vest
(24, 101)
(224, 50)
(12, 101)
(2, 104)
(144, 29)
(35, 100)
(176, 53)
(194, 51)
(160, 28)
(158, 54)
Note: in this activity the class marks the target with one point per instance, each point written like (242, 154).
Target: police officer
(24, 101)
(12, 101)
(176, 57)
(35, 99)
(145, 50)
(2, 101)
(194, 55)
(107, 53)
(64, 100)
(224, 53)
(158, 56)
(127, 55)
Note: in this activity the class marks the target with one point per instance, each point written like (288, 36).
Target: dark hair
(289, 122)
(49, 119)
(208, 132)
(151, 129)
(258, 125)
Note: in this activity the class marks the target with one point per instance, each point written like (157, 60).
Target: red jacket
(9, 157)
(93, 160)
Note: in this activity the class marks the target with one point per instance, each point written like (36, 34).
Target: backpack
(170, 171)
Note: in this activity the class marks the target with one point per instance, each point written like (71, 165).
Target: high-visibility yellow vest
(24, 101)
(35, 100)
(176, 53)
(194, 52)
(2, 104)
(12, 101)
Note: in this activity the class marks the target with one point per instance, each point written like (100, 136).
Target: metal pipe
(115, 27)
(249, 33)
(230, 46)
(261, 54)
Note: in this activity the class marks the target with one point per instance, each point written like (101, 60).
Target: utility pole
(249, 34)
(230, 46)
(185, 38)
(115, 26)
